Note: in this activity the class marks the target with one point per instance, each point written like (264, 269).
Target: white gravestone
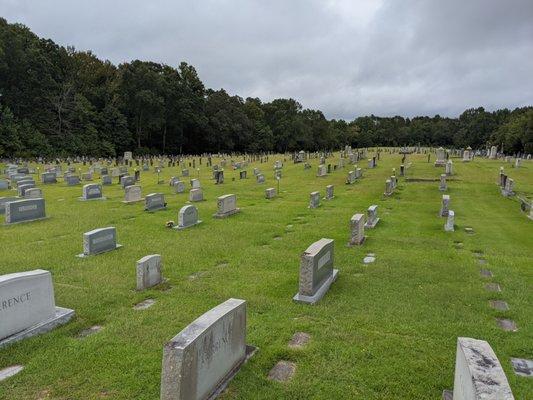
(357, 230)
(316, 271)
(450, 221)
(187, 217)
(314, 200)
(132, 194)
(372, 216)
(270, 193)
(149, 271)
(27, 306)
(226, 206)
(196, 195)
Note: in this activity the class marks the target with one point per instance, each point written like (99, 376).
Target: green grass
(387, 330)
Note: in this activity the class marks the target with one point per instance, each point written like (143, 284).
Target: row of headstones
(506, 184)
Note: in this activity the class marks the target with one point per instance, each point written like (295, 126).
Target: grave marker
(357, 230)
(99, 241)
(187, 217)
(149, 271)
(25, 210)
(372, 216)
(227, 205)
(154, 202)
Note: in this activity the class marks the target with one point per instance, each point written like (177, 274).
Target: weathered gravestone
(48, 177)
(126, 181)
(445, 207)
(196, 195)
(329, 192)
(316, 272)
(87, 176)
(21, 189)
(195, 184)
(106, 180)
(179, 187)
(154, 202)
(270, 193)
(200, 361)
(478, 373)
(24, 210)
(99, 241)
(149, 271)
(450, 221)
(27, 306)
(449, 167)
(357, 230)
(72, 180)
(351, 178)
(372, 216)
(493, 152)
(260, 178)
(243, 175)
(388, 188)
(441, 157)
(91, 191)
(185, 172)
(227, 205)
(187, 217)
(33, 193)
(321, 170)
(132, 194)
(314, 200)
(358, 173)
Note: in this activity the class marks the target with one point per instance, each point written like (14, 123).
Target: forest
(57, 101)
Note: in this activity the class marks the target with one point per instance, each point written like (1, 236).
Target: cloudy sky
(346, 58)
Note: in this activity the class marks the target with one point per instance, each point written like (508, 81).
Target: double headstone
(24, 210)
(154, 202)
(149, 271)
(187, 217)
(99, 241)
(226, 206)
(27, 306)
(316, 271)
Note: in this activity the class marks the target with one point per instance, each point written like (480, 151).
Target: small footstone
(369, 260)
(507, 325)
(143, 305)
(282, 371)
(10, 371)
(90, 331)
(522, 366)
(469, 230)
(493, 287)
(299, 340)
(485, 273)
(447, 395)
(499, 305)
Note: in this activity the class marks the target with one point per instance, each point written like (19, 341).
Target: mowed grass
(386, 330)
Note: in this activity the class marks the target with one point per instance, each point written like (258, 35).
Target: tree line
(56, 101)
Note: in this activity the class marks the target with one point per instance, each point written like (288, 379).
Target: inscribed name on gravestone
(227, 205)
(200, 360)
(27, 305)
(154, 202)
(24, 210)
(99, 241)
(149, 271)
(187, 217)
(316, 271)
(92, 191)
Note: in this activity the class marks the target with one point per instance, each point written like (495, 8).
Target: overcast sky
(346, 58)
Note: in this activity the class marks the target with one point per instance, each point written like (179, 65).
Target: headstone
(443, 186)
(27, 306)
(128, 155)
(467, 154)
(199, 361)
(86, 176)
(24, 210)
(357, 230)
(372, 216)
(351, 178)
(260, 178)
(179, 187)
(33, 193)
(195, 183)
(21, 189)
(155, 202)
(358, 173)
(48, 177)
(149, 271)
(126, 181)
(314, 200)
(187, 217)
(132, 194)
(92, 191)
(493, 152)
(106, 180)
(99, 241)
(185, 172)
(478, 372)
(72, 180)
(316, 271)
(219, 177)
(444, 209)
(329, 192)
(242, 174)
(270, 193)
(441, 157)
(402, 170)
(321, 170)
(388, 188)
(450, 221)
(508, 189)
(4, 200)
(449, 168)
(196, 195)
(227, 205)
(518, 163)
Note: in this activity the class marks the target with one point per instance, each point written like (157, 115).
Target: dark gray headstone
(25, 210)
(99, 241)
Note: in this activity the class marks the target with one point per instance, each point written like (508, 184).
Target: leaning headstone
(329, 192)
(27, 306)
(443, 186)
(314, 200)
(25, 210)
(187, 217)
(449, 226)
(200, 361)
(270, 193)
(154, 202)
(445, 207)
(357, 230)
(372, 216)
(92, 191)
(227, 205)
(99, 241)
(149, 271)
(316, 271)
(132, 194)
(196, 195)
(478, 373)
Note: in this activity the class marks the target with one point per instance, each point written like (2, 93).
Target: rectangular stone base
(328, 198)
(133, 202)
(83, 255)
(180, 228)
(22, 222)
(369, 225)
(440, 163)
(62, 316)
(225, 215)
(98, 198)
(360, 242)
(249, 352)
(300, 298)
(157, 209)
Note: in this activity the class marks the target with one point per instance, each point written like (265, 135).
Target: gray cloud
(346, 58)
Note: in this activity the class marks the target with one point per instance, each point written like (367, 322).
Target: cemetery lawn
(386, 330)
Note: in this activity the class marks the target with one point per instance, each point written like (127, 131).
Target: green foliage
(67, 102)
